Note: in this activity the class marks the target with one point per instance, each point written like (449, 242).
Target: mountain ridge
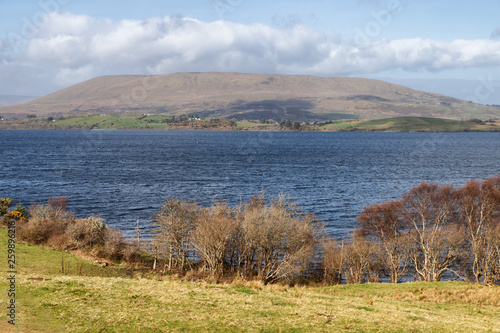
(250, 96)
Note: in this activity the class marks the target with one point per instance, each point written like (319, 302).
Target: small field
(122, 121)
(58, 292)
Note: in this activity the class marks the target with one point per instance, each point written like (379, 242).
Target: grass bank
(412, 124)
(54, 298)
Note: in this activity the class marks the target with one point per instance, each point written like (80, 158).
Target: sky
(450, 47)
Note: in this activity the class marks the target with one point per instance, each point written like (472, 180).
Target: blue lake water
(125, 176)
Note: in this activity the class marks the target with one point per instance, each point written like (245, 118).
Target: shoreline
(126, 122)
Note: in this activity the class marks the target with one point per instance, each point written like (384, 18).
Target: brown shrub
(56, 212)
(213, 234)
(61, 242)
(58, 204)
(196, 275)
(46, 222)
(361, 261)
(277, 240)
(40, 230)
(479, 211)
(333, 262)
(131, 254)
(173, 226)
(114, 244)
(85, 233)
(383, 224)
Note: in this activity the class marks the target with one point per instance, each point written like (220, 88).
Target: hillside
(250, 96)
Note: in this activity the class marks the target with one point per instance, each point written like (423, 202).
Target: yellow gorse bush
(16, 215)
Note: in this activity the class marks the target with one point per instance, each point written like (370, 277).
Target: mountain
(251, 96)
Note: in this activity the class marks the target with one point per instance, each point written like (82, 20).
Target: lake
(125, 176)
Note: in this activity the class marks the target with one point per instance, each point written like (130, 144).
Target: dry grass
(48, 301)
(77, 304)
(462, 294)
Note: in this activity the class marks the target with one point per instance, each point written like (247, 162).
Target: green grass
(247, 124)
(410, 124)
(49, 262)
(121, 121)
(49, 301)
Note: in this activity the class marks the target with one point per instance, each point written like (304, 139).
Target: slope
(251, 96)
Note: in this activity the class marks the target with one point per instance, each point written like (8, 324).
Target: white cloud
(70, 76)
(70, 48)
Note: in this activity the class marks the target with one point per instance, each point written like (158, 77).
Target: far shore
(175, 123)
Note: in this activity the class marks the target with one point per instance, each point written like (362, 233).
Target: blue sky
(450, 47)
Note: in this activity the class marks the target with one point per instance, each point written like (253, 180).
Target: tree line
(432, 232)
(270, 241)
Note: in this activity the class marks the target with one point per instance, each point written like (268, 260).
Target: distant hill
(251, 96)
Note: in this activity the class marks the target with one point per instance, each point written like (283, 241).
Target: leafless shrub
(251, 217)
(212, 236)
(301, 243)
(173, 225)
(274, 241)
(44, 223)
(333, 261)
(278, 239)
(61, 242)
(86, 233)
(58, 204)
(55, 210)
(492, 256)
(395, 257)
(114, 244)
(131, 254)
(383, 224)
(359, 258)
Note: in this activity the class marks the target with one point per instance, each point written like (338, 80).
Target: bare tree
(174, 224)
(300, 241)
(479, 212)
(277, 240)
(429, 211)
(212, 236)
(492, 275)
(251, 219)
(383, 224)
(333, 261)
(361, 261)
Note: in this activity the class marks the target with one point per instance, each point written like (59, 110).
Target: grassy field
(411, 124)
(122, 121)
(58, 292)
